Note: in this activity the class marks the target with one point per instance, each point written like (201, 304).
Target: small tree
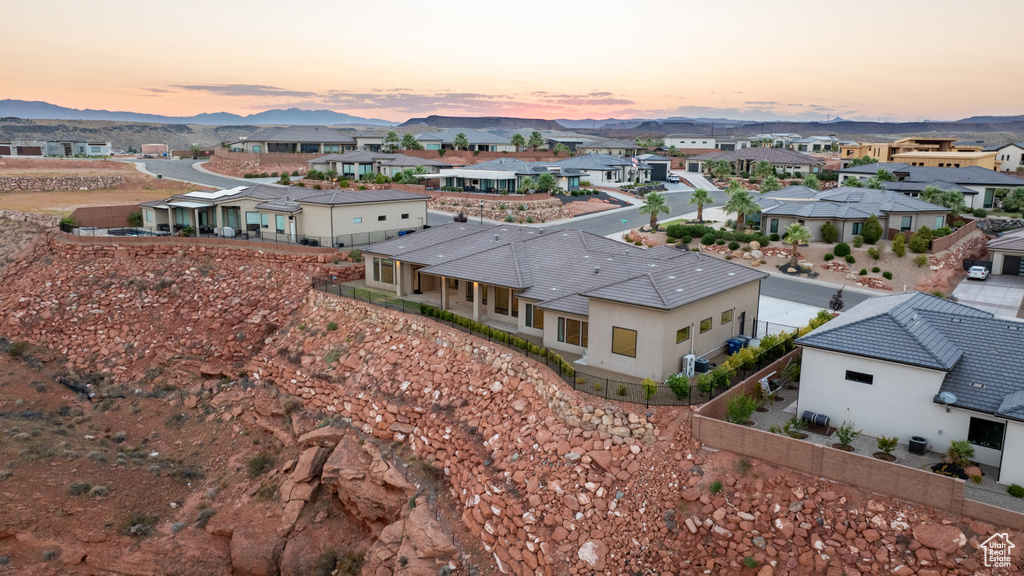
(846, 433)
(391, 140)
(796, 234)
(739, 408)
(863, 160)
(886, 444)
(718, 168)
(545, 182)
(654, 204)
(536, 140)
(518, 141)
(836, 303)
(461, 141)
(700, 197)
(409, 142)
(899, 245)
(741, 203)
(1015, 200)
(921, 241)
(770, 184)
(528, 184)
(829, 233)
(811, 181)
(763, 169)
(872, 231)
(196, 151)
(650, 388)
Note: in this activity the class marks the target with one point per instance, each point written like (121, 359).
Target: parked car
(977, 273)
(673, 178)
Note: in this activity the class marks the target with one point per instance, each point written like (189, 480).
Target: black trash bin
(918, 445)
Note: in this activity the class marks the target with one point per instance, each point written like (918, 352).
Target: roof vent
(679, 289)
(978, 385)
(671, 277)
(957, 320)
(653, 265)
(1014, 328)
(597, 269)
(732, 273)
(698, 269)
(495, 237)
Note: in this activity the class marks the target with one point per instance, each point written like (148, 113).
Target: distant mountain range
(46, 111)
(483, 122)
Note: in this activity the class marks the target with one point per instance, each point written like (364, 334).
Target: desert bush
(739, 408)
(842, 249)
(99, 491)
(259, 464)
(979, 213)
(17, 349)
(1015, 490)
(887, 275)
(829, 233)
(850, 259)
(290, 404)
(846, 433)
(650, 388)
(920, 260)
(921, 241)
(899, 245)
(716, 487)
(887, 444)
(137, 524)
(960, 452)
(750, 562)
(734, 245)
(332, 326)
(858, 241)
(829, 256)
(863, 271)
(875, 269)
(679, 384)
(79, 488)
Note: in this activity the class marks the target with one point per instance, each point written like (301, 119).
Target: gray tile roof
(841, 203)
(312, 134)
(907, 187)
(289, 198)
(403, 160)
(562, 269)
(474, 136)
(772, 155)
(595, 162)
(1009, 241)
(608, 143)
(971, 175)
(356, 157)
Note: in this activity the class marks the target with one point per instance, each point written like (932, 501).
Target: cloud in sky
(243, 90)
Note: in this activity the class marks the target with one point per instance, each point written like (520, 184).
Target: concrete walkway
(1000, 295)
(697, 180)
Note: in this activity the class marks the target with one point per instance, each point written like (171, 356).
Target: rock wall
(233, 167)
(40, 219)
(12, 183)
(993, 225)
(948, 265)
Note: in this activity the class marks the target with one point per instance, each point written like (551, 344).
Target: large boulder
(944, 538)
(256, 551)
(592, 553)
(371, 488)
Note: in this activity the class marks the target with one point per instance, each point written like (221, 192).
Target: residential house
(780, 140)
(745, 159)
(610, 147)
(607, 169)
(479, 140)
(503, 175)
(915, 365)
(303, 139)
(981, 187)
(626, 309)
(1010, 156)
(661, 167)
(291, 214)
(355, 165)
(78, 146)
(1008, 254)
(818, 144)
(690, 141)
(847, 209)
(942, 150)
(954, 159)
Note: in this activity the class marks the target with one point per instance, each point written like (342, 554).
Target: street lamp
(481, 212)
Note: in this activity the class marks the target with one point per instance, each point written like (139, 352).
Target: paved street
(183, 170)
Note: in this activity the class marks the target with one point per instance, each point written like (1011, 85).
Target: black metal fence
(206, 232)
(579, 377)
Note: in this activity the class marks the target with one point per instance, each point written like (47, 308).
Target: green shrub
(960, 453)
(750, 562)
(258, 464)
(872, 230)
(679, 384)
(829, 256)
(920, 260)
(842, 249)
(873, 252)
(734, 245)
(720, 242)
(940, 232)
(846, 433)
(863, 271)
(622, 390)
(979, 212)
(716, 487)
(686, 239)
(899, 245)
(887, 275)
(850, 259)
(295, 172)
(137, 524)
(886, 444)
(921, 241)
(1015, 490)
(17, 349)
(858, 241)
(135, 219)
(708, 239)
(829, 233)
(79, 488)
(509, 218)
(332, 326)
(774, 237)
(739, 408)
(650, 388)
(875, 270)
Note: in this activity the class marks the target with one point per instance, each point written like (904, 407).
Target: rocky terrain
(240, 423)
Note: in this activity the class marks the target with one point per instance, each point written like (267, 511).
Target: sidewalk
(697, 180)
(198, 167)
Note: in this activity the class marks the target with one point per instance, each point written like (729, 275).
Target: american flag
(634, 161)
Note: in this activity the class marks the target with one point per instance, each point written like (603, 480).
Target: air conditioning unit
(689, 361)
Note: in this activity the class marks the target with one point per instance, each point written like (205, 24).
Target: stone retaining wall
(12, 183)
(993, 225)
(42, 220)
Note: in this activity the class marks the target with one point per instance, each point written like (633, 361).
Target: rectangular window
(726, 316)
(986, 433)
(265, 220)
(376, 269)
(95, 149)
(469, 291)
(252, 219)
(905, 223)
(773, 226)
(501, 300)
(405, 216)
(939, 221)
(989, 195)
(357, 220)
(705, 325)
(860, 377)
(257, 149)
(515, 304)
(858, 228)
(279, 219)
(381, 218)
(387, 271)
(149, 215)
(682, 335)
(624, 342)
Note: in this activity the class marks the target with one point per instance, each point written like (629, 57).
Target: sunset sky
(748, 59)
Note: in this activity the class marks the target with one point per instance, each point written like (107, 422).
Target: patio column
(195, 222)
(444, 293)
(398, 279)
(476, 301)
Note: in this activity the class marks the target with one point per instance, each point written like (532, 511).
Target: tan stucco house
(981, 187)
(630, 310)
(913, 364)
(1008, 254)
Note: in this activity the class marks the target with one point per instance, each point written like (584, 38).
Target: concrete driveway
(1000, 295)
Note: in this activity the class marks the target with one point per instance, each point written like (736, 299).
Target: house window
(726, 316)
(265, 220)
(773, 226)
(705, 325)
(252, 220)
(989, 195)
(257, 149)
(623, 341)
(310, 148)
(986, 433)
(501, 300)
(149, 215)
(357, 220)
(515, 304)
(405, 216)
(381, 218)
(279, 219)
(95, 149)
(534, 317)
(384, 270)
(905, 223)
(939, 220)
(860, 377)
(469, 291)
(376, 269)
(858, 228)
(572, 331)
(682, 335)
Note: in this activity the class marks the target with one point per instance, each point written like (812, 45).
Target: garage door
(659, 172)
(30, 151)
(1012, 266)
(693, 166)
(5, 150)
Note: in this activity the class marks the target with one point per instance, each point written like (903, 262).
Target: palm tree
(700, 197)
(734, 186)
(391, 140)
(741, 203)
(764, 169)
(527, 184)
(949, 198)
(536, 140)
(811, 181)
(461, 141)
(796, 235)
(770, 184)
(654, 204)
(1015, 199)
(518, 141)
